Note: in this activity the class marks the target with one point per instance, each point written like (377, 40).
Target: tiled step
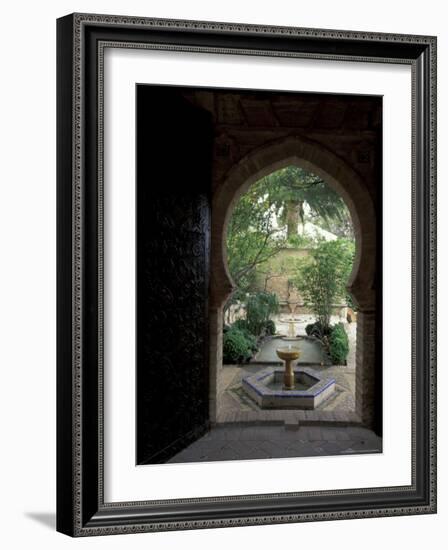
(304, 418)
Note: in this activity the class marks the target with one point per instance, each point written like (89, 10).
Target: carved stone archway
(343, 179)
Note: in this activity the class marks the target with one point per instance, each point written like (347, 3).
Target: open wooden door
(174, 159)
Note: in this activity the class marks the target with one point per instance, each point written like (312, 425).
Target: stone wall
(273, 276)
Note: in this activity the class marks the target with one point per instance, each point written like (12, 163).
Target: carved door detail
(174, 153)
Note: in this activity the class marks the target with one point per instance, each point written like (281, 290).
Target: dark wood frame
(81, 510)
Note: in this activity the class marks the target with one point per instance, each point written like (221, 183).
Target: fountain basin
(288, 354)
(291, 337)
(266, 389)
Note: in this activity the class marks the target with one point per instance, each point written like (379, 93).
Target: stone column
(215, 336)
(365, 367)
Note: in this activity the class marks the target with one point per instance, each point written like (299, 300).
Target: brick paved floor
(255, 441)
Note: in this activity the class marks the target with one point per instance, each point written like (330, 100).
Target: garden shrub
(309, 329)
(241, 324)
(259, 308)
(270, 327)
(338, 344)
(316, 329)
(251, 340)
(237, 347)
(321, 278)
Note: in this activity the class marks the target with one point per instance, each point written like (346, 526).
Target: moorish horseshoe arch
(346, 181)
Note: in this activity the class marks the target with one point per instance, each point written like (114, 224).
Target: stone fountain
(290, 387)
(291, 336)
(288, 355)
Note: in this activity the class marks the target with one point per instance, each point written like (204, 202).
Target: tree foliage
(265, 220)
(291, 188)
(252, 235)
(322, 277)
(259, 308)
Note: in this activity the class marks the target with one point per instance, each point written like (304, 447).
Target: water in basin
(311, 352)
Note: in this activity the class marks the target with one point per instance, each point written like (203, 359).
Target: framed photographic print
(246, 274)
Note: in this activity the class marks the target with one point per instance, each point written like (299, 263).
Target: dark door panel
(174, 155)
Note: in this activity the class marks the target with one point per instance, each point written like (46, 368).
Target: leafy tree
(256, 230)
(290, 188)
(259, 308)
(252, 236)
(322, 277)
(341, 227)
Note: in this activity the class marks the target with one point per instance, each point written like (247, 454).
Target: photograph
(223, 264)
(246, 256)
(263, 341)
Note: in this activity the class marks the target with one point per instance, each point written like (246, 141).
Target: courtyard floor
(243, 442)
(235, 405)
(244, 431)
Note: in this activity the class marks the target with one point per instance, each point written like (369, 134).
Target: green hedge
(316, 329)
(338, 344)
(238, 346)
(242, 324)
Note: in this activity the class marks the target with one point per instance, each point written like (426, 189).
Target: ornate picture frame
(81, 507)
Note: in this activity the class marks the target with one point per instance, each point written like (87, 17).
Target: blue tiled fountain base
(264, 388)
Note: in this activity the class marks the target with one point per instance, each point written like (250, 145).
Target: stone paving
(252, 441)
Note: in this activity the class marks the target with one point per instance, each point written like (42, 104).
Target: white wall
(27, 290)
